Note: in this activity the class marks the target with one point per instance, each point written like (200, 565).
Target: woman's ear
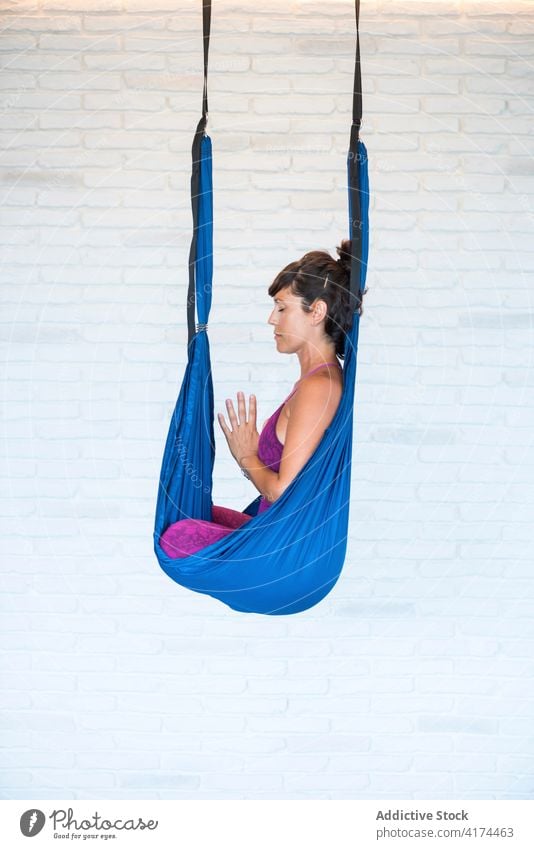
(320, 310)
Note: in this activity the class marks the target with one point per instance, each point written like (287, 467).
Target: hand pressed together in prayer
(243, 437)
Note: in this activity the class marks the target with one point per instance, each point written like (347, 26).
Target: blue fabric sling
(289, 557)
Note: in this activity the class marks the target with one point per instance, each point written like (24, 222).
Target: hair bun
(345, 254)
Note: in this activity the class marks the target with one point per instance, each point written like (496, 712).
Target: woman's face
(290, 323)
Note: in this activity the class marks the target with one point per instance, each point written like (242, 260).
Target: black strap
(354, 182)
(206, 23)
(355, 224)
(357, 90)
(200, 132)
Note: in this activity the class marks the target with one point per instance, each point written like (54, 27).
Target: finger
(252, 410)
(231, 413)
(241, 408)
(222, 422)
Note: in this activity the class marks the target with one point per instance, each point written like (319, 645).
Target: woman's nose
(271, 320)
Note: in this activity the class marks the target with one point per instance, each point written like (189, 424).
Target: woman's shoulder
(319, 390)
(331, 377)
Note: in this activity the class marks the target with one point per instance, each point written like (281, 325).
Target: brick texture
(413, 679)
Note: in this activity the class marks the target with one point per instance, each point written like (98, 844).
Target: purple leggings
(191, 535)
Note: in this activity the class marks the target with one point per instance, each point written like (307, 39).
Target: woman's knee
(227, 517)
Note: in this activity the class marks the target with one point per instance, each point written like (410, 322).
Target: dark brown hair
(306, 278)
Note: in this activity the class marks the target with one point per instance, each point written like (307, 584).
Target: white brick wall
(413, 679)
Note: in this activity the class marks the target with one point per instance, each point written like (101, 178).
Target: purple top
(269, 446)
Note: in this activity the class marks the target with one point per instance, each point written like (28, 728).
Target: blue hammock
(287, 558)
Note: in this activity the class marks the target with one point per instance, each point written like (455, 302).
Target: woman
(311, 316)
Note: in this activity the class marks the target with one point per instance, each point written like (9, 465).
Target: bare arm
(243, 438)
(312, 411)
